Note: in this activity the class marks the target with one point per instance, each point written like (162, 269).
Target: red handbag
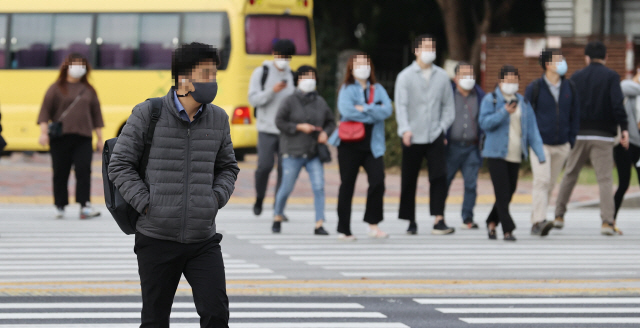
(351, 131)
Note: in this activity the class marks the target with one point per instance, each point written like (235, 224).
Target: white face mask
(307, 85)
(509, 89)
(427, 57)
(467, 82)
(362, 72)
(77, 71)
(281, 63)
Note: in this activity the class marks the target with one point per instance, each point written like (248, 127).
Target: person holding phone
(510, 128)
(305, 121)
(270, 84)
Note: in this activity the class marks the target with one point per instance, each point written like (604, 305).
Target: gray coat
(303, 108)
(266, 100)
(631, 91)
(191, 172)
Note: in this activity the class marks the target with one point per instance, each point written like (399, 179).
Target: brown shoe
(607, 229)
(558, 223)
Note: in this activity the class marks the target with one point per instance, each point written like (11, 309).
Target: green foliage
(393, 155)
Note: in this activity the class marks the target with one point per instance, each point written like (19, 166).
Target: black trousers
(504, 176)
(268, 149)
(625, 160)
(68, 150)
(161, 263)
(350, 160)
(412, 156)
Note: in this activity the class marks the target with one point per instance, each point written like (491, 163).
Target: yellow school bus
(129, 45)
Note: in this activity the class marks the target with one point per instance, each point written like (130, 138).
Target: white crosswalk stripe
(501, 311)
(350, 315)
(60, 256)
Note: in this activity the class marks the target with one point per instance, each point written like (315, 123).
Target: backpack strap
(495, 99)
(535, 94)
(156, 108)
(574, 93)
(265, 74)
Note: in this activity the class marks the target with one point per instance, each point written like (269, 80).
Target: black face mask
(204, 93)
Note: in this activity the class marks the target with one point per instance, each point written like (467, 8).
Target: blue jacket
(374, 113)
(494, 120)
(558, 122)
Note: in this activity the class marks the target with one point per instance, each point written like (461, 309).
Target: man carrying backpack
(270, 84)
(555, 103)
(190, 175)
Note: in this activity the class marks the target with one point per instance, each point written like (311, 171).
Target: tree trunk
(455, 29)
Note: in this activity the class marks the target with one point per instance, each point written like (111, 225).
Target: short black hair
(304, 69)
(546, 56)
(508, 69)
(186, 57)
(460, 64)
(596, 50)
(418, 40)
(284, 47)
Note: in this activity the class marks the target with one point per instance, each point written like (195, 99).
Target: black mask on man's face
(205, 92)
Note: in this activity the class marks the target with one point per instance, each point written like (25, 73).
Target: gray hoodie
(631, 91)
(267, 101)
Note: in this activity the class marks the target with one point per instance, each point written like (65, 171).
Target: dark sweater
(303, 108)
(601, 101)
(558, 122)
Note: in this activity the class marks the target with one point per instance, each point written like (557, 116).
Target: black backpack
(125, 215)
(263, 80)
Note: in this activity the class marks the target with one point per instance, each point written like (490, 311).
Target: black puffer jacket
(191, 172)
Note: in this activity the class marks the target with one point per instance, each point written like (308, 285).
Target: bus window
(158, 38)
(261, 31)
(3, 40)
(209, 28)
(71, 34)
(30, 40)
(117, 40)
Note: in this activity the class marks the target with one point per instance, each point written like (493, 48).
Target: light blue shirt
(183, 112)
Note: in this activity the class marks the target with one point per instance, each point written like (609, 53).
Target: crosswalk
(263, 314)
(64, 256)
(539, 311)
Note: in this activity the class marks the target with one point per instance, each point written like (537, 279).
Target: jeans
(466, 158)
(291, 167)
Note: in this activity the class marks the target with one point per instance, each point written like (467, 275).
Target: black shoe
(441, 228)
(257, 207)
(509, 237)
(413, 228)
(541, 228)
(492, 234)
(469, 225)
(320, 231)
(285, 218)
(276, 227)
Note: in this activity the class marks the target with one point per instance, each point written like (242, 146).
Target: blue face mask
(561, 67)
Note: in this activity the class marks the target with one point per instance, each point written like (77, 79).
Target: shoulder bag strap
(66, 111)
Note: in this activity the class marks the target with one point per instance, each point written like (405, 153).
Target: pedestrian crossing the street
(60, 256)
(514, 312)
(112, 314)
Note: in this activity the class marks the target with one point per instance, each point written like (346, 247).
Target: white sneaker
(59, 213)
(378, 234)
(88, 212)
(344, 237)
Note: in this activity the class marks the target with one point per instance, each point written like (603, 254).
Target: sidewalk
(27, 180)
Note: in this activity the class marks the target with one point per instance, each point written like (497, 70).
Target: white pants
(545, 176)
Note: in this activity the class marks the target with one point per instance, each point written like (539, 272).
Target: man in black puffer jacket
(190, 175)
